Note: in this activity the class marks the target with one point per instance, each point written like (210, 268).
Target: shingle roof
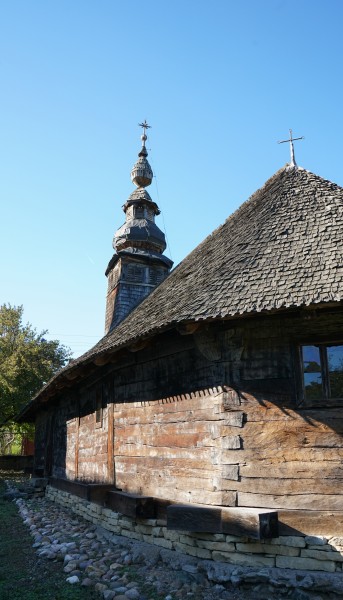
(282, 248)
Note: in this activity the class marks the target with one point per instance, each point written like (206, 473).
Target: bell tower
(138, 264)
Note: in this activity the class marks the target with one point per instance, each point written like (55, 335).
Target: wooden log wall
(178, 435)
(172, 448)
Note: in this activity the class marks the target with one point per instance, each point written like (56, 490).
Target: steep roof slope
(281, 248)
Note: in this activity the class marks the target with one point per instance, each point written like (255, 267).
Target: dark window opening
(155, 276)
(135, 274)
(322, 368)
(139, 212)
(98, 408)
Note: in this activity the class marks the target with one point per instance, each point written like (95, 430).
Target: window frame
(325, 401)
(98, 408)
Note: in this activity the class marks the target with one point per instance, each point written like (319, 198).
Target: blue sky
(220, 82)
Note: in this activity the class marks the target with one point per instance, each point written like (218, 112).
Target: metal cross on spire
(145, 127)
(291, 140)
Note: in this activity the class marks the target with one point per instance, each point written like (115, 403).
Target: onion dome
(141, 174)
(139, 233)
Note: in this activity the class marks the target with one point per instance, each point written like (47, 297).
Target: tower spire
(138, 264)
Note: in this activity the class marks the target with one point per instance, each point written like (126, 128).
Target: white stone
(73, 579)
(316, 540)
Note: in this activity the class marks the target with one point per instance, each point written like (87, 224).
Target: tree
(27, 361)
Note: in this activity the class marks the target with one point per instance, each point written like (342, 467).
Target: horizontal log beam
(94, 492)
(254, 523)
(131, 505)
(311, 522)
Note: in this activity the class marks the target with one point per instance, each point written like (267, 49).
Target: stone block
(336, 541)
(259, 548)
(289, 540)
(200, 553)
(126, 523)
(307, 564)
(181, 547)
(159, 542)
(316, 540)
(113, 528)
(144, 529)
(134, 535)
(131, 534)
(186, 539)
(173, 536)
(326, 548)
(210, 537)
(236, 538)
(249, 560)
(322, 555)
(225, 547)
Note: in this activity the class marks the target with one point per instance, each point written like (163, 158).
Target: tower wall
(129, 282)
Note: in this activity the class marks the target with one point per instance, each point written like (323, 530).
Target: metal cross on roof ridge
(291, 140)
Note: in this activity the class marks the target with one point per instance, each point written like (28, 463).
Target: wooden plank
(277, 455)
(110, 445)
(257, 524)
(293, 469)
(76, 467)
(73, 487)
(98, 492)
(299, 437)
(313, 522)
(131, 465)
(299, 501)
(290, 487)
(204, 454)
(131, 505)
(187, 517)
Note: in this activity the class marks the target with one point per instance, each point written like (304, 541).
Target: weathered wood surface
(285, 487)
(131, 505)
(172, 440)
(172, 449)
(73, 487)
(110, 445)
(183, 517)
(257, 524)
(296, 502)
(93, 446)
(98, 492)
(311, 522)
(92, 492)
(293, 470)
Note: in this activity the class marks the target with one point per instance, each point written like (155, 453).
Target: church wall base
(311, 553)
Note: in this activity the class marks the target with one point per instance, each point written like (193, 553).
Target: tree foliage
(27, 361)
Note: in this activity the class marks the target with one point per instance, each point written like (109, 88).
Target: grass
(24, 576)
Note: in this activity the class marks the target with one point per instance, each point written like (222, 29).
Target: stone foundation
(311, 553)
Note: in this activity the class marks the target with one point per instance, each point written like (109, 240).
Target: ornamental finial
(291, 147)
(145, 126)
(141, 174)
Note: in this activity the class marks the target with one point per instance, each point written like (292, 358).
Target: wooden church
(217, 390)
